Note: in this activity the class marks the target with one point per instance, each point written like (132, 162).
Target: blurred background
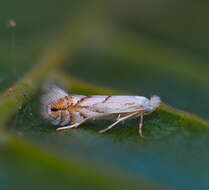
(152, 47)
(141, 47)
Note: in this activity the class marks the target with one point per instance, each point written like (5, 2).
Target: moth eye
(54, 109)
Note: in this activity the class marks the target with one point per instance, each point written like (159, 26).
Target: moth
(71, 110)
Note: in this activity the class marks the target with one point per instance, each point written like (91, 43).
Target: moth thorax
(60, 105)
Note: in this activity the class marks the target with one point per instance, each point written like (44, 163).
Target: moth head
(54, 106)
(58, 116)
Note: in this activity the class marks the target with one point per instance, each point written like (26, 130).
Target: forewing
(115, 104)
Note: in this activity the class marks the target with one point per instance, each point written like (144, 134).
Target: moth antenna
(11, 25)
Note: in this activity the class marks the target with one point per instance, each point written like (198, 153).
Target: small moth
(69, 111)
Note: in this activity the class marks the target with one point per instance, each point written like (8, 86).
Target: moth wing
(127, 109)
(116, 104)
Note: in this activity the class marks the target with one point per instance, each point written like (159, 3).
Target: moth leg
(118, 121)
(118, 117)
(141, 125)
(72, 126)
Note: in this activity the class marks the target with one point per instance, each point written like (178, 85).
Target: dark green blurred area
(145, 47)
(37, 24)
(156, 48)
(171, 27)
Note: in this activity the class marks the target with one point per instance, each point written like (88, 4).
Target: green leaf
(108, 48)
(20, 157)
(171, 146)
